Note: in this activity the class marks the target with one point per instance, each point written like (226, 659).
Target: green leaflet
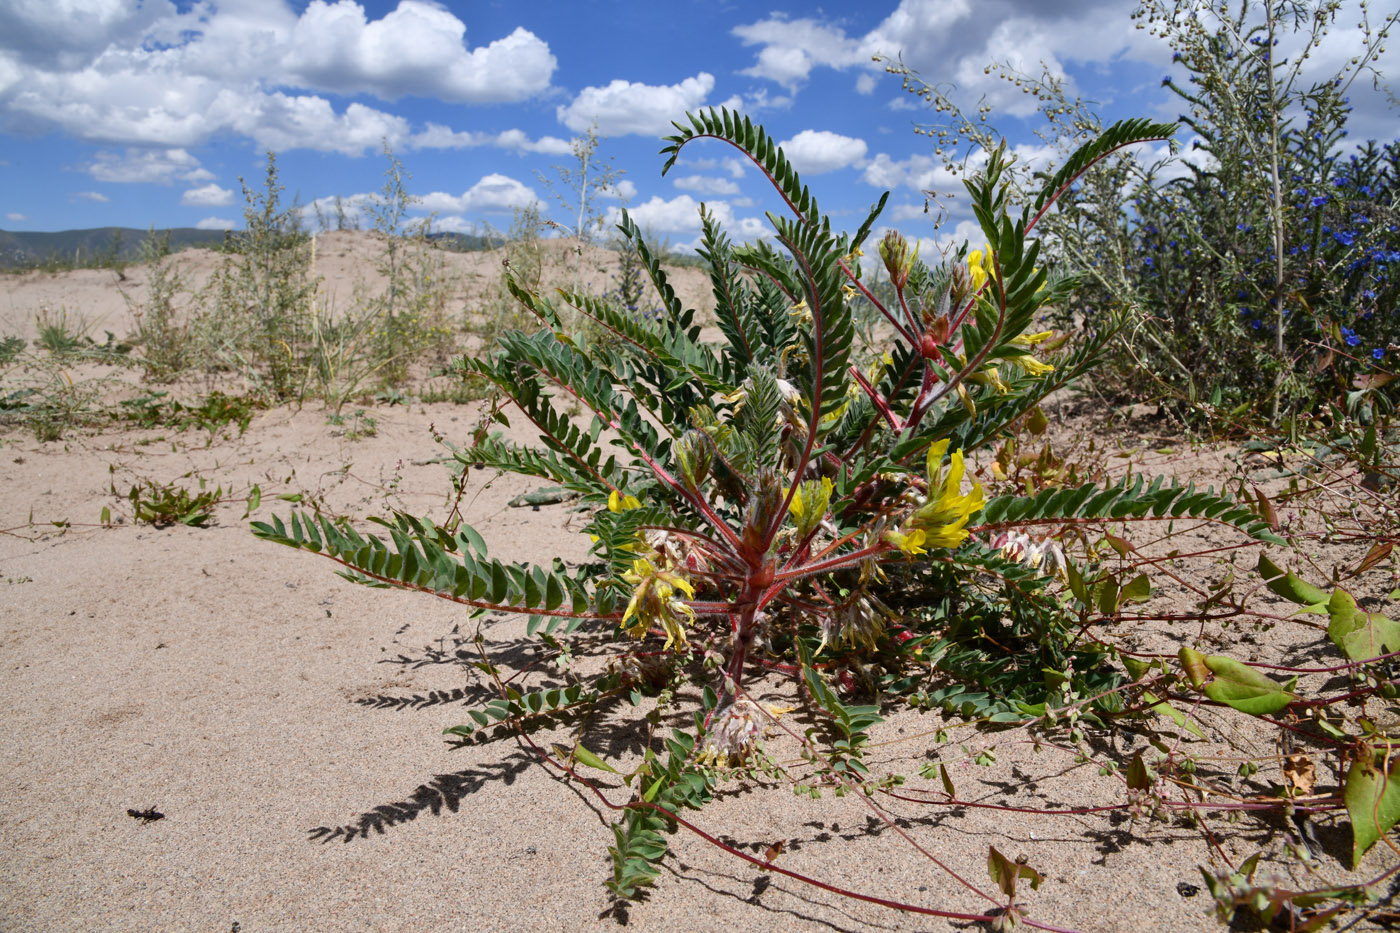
(1288, 585)
(1234, 683)
(591, 760)
(1163, 708)
(1360, 635)
(1373, 803)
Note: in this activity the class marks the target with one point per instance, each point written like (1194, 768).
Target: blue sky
(141, 112)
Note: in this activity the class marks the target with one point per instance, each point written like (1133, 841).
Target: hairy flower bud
(898, 259)
(960, 286)
(695, 454)
(763, 506)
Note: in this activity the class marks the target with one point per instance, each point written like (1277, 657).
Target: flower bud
(899, 261)
(694, 455)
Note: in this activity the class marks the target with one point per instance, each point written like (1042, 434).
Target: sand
(288, 725)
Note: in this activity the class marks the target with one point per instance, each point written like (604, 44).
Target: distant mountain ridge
(97, 246)
(100, 247)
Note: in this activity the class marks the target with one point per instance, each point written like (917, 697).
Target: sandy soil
(288, 724)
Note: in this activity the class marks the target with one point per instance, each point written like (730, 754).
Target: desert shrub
(777, 516)
(260, 300)
(411, 307)
(1259, 266)
(162, 324)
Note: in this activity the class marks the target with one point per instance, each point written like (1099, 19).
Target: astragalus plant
(770, 508)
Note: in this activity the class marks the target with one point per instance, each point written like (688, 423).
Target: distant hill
(97, 247)
(100, 247)
(463, 242)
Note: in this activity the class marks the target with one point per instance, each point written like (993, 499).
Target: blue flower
(1344, 237)
(1320, 200)
(1377, 354)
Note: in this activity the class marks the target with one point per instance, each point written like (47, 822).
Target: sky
(147, 112)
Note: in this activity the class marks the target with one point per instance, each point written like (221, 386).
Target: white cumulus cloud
(493, 194)
(210, 195)
(145, 74)
(148, 166)
(704, 184)
(416, 49)
(215, 223)
(15, 216)
(813, 152)
(94, 196)
(624, 107)
(437, 136)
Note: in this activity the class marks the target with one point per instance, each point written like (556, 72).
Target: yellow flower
(943, 518)
(809, 505)
(617, 502)
(1030, 364)
(654, 602)
(982, 266)
(911, 543)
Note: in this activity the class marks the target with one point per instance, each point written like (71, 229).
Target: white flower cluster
(1045, 555)
(733, 733)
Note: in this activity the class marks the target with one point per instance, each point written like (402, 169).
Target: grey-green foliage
(262, 294)
(162, 323)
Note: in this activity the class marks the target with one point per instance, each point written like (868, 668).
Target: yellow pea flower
(617, 502)
(654, 602)
(943, 518)
(911, 543)
(981, 265)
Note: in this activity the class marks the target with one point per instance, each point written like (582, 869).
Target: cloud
(681, 215)
(494, 194)
(280, 122)
(95, 196)
(13, 215)
(416, 49)
(816, 151)
(919, 172)
(624, 190)
(624, 107)
(211, 195)
(215, 223)
(437, 136)
(146, 74)
(46, 34)
(953, 40)
(791, 48)
(703, 184)
(146, 166)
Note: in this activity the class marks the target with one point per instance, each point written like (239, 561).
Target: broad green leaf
(1359, 634)
(1288, 585)
(1373, 803)
(1139, 778)
(1076, 583)
(1234, 683)
(1137, 590)
(1106, 596)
